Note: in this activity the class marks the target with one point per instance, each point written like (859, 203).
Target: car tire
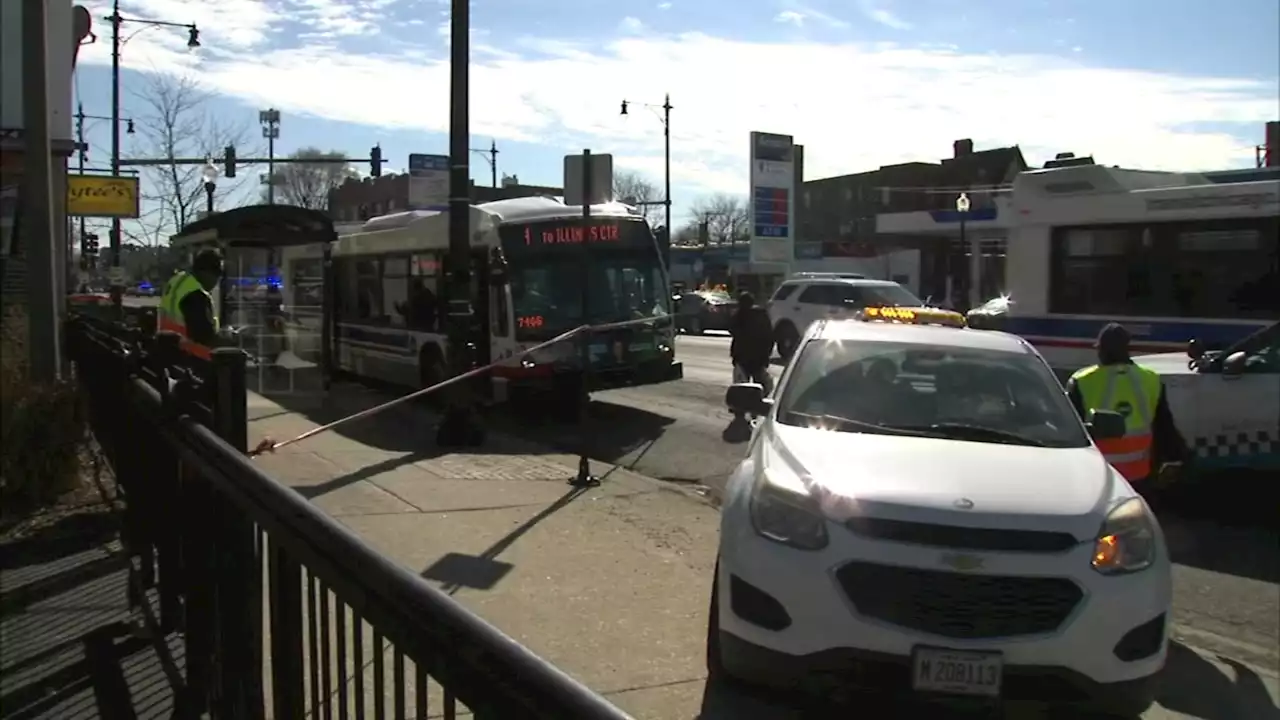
(695, 326)
(715, 661)
(787, 339)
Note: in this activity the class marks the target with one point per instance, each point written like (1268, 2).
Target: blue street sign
(421, 164)
(772, 231)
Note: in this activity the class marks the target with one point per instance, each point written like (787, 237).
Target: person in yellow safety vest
(1151, 445)
(186, 305)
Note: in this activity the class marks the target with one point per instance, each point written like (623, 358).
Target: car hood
(949, 482)
(1174, 363)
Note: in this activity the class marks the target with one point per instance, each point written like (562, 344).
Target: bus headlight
(1126, 542)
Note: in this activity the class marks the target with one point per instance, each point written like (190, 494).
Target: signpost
(428, 182)
(772, 199)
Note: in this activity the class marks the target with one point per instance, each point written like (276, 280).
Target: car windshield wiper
(847, 424)
(965, 431)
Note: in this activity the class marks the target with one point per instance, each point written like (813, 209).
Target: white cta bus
(530, 258)
(1173, 256)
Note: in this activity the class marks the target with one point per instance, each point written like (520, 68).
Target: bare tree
(307, 185)
(726, 218)
(174, 122)
(635, 189)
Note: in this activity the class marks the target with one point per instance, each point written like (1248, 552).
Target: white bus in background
(389, 320)
(1173, 256)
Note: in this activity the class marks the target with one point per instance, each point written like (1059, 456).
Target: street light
(210, 175)
(270, 122)
(666, 137)
(975, 252)
(193, 41)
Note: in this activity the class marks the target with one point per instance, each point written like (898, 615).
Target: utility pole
(491, 157)
(193, 41)
(82, 147)
(39, 228)
(666, 138)
(270, 122)
(460, 426)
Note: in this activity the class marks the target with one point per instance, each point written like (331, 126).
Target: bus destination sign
(572, 233)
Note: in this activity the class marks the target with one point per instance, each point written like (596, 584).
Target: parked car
(702, 310)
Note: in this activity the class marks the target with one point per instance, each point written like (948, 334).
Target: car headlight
(1127, 540)
(787, 515)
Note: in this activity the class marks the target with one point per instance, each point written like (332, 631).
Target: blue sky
(1174, 84)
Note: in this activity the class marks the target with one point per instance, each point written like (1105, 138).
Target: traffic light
(375, 161)
(91, 243)
(88, 250)
(229, 159)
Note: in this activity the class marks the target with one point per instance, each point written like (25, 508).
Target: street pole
(80, 146)
(117, 291)
(493, 162)
(666, 134)
(584, 478)
(459, 427)
(39, 228)
(270, 121)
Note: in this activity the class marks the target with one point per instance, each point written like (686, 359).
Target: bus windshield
(547, 292)
(549, 261)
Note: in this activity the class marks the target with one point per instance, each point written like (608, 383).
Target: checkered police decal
(1225, 445)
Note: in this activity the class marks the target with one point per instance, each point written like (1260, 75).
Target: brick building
(841, 212)
(359, 199)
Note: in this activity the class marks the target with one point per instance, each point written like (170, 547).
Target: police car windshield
(961, 393)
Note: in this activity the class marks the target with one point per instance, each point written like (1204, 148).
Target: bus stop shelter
(280, 328)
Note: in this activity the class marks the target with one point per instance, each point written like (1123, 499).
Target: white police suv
(922, 512)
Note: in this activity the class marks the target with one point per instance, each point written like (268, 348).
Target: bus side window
(499, 311)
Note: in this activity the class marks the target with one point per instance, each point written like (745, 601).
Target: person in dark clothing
(752, 344)
(1168, 448)
(197, 307)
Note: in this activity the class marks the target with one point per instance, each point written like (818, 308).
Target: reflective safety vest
(1134, 392)
(169, 315)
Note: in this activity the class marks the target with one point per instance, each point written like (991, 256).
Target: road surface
(1227, 558)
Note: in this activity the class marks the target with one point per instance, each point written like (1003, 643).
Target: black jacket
(1167, 443)
(752, 344)
(197, 313)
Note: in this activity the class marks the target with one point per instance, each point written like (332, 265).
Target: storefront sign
(102, 196)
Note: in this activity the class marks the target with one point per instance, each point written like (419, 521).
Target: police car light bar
(912, 316)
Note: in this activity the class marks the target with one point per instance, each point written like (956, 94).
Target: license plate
(956, 672)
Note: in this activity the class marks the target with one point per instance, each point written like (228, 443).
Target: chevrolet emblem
(961, 561)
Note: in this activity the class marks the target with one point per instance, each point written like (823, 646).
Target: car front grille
(959, 605)
(953, 536)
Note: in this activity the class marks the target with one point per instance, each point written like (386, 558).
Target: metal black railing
(282, 611)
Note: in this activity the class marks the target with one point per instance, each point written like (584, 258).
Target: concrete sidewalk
(610, 584)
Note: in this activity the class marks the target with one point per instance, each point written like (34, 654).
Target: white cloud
(882, 15)
(853, 106)
(790, 17)
(797, 14)
(631, 26)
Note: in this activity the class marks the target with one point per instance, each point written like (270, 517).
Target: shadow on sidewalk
(66, 650)
(455, 571)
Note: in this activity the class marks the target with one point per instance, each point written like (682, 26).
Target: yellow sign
(102, 196)
(920, 316)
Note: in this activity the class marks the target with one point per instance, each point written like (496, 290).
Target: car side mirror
(1195, 349)
(747, 398)
(1234, 364)
(1106, 425)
